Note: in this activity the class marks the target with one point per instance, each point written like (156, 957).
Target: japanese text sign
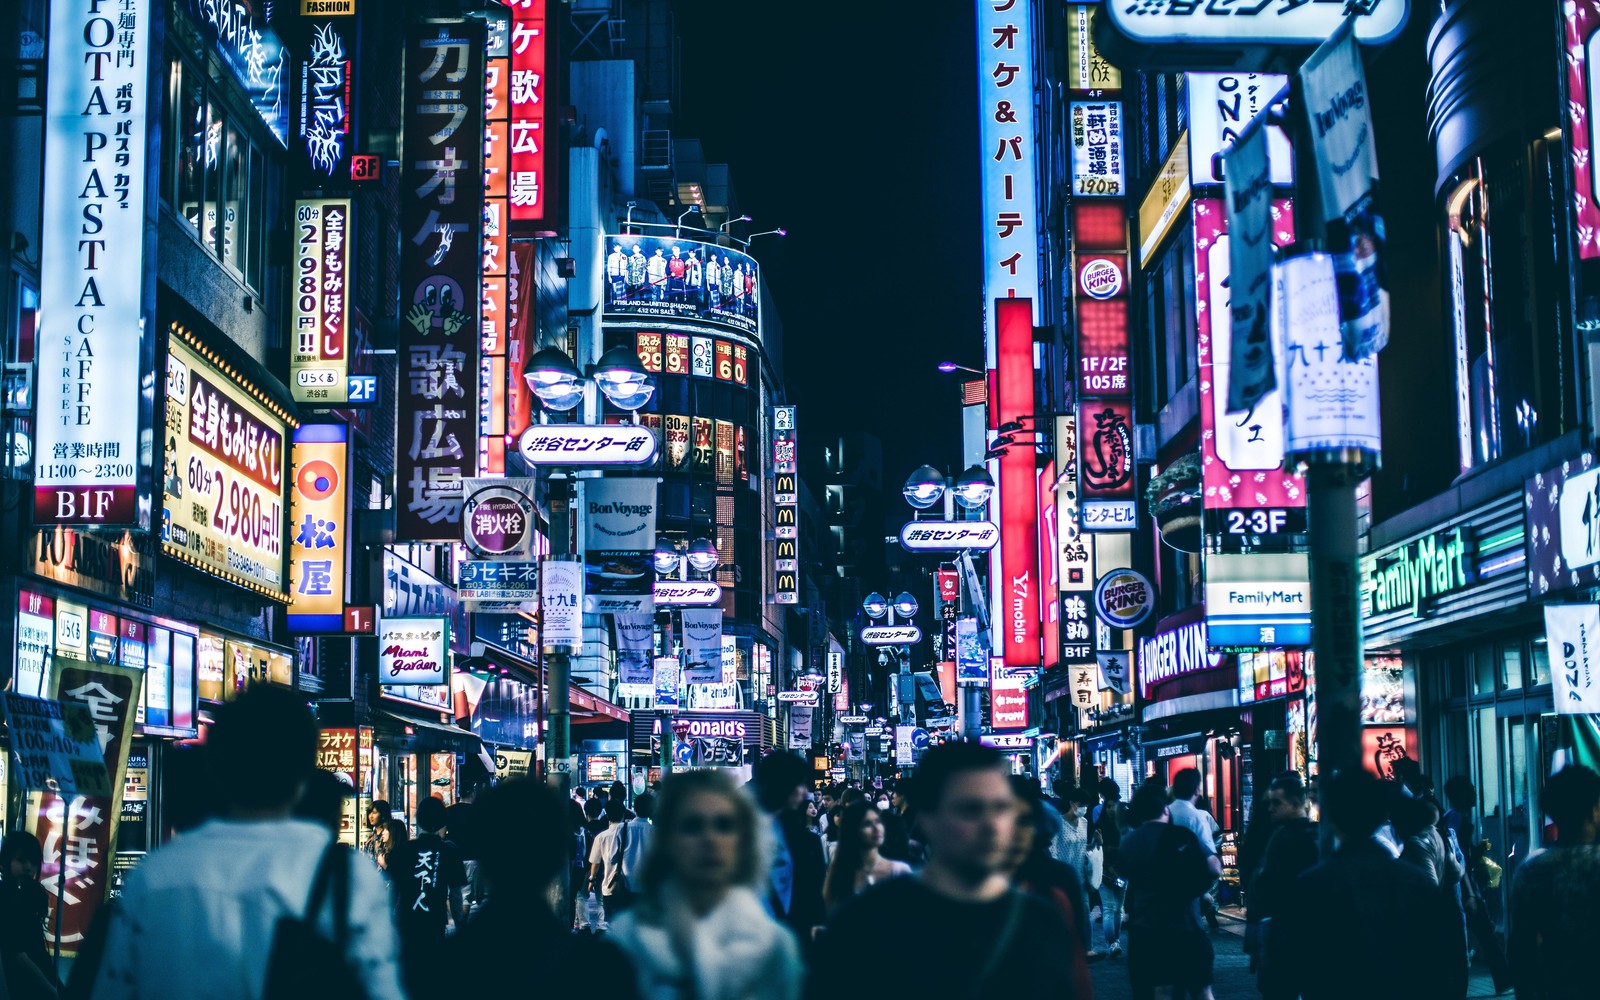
(1018, 564)
(318, 351)
(56, 746)
(318, 517)
(590, 444)
(1007, 144)
(561, 603)
(1096, 132)
(223, 484)
(413, 651)
(949, 536)
(530, 99)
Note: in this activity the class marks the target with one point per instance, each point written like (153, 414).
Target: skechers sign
(1415, 573)
(588, 444)
(1124, 598)
(891, 635)
(949, 536)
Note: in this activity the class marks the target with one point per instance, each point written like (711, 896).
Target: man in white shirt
(605, 861)
(637, 835)
(1185, 791)
(197, 917)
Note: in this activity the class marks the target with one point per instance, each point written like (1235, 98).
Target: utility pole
(558, 659)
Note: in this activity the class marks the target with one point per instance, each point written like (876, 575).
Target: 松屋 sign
(318, 517)
(949, 536)
(413, 651)
(92, 274)
(588, 444)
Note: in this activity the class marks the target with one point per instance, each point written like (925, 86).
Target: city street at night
(713, 500)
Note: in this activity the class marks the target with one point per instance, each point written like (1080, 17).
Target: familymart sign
(1415, 573)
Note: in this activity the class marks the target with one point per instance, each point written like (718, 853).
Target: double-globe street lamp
(670, 562)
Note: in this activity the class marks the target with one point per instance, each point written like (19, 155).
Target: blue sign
(919, 739)
(683, 753)
(254, 53)
(972, 659)
(362, 390)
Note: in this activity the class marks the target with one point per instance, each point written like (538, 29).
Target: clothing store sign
(91, 267)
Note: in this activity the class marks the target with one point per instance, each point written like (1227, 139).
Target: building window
(214, 176)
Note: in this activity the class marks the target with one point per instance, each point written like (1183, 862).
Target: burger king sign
(1124, 598)
(1100, 278)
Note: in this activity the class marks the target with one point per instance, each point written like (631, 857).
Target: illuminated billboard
(682, 279)
(319, 358)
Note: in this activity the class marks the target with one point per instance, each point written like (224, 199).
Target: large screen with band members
(683, 279)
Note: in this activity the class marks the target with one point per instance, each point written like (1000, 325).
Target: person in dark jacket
(794, 886)
(1364, 923)
(1291, 851)
(516, 924)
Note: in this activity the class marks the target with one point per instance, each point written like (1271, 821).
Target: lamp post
(672, 563)
(950, 366)
(561, 387)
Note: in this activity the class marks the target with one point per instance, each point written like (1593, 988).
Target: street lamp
(724, 227)
(623, 379)
(973, 488)
(686, 212)
(703, 555)
(559, 384)
(950, 366)
(554, 379)
(923, 487)
(667, 557)
(905, 605)
(875, 605)
(768, 232)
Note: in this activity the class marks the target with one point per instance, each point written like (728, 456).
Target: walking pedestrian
(1071, 848)
(979, 938)
(1186, 811)
(323, 800)
(464, 831)
(1416, 824)
(1364, 923)
(1168, 869)
(781, 782)
(637, 836)
(1462, 797)
(857, 863)
(378, 816)
(429, 881)
(516, 928)
(1034, 871)
(24, 908)
(1555, 895)
(394, 835)
(198, 917)
(1110, 822)
(700, 930)
(1291, 851)
(605, 861)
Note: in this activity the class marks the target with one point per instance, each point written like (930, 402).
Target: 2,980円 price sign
(223, 482)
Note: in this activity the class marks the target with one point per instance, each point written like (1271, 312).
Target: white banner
(561, 603)
(619, 539)
(1247, 193)
(1114, 670)
(1331, 401)
(92, 321)
(702, 645)
(636, 634)
(1573, 631)
(1335, 85)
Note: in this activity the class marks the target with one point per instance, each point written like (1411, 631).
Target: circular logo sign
(497, 520)
(1100, 279)
(1124, 598)
(317, 480)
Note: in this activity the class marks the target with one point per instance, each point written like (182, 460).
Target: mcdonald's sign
(785, 508)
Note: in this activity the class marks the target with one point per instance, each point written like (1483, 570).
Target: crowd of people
(967, 878)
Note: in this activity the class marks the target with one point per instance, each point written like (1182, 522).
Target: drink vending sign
(92, 274)
(413, 651)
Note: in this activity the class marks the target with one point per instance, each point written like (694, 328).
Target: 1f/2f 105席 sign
(949, 536)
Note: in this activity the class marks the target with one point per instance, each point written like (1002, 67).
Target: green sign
(1416, 572)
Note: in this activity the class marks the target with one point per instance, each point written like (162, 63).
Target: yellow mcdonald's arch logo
(785, 515)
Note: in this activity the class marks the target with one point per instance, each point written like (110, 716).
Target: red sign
(366, 167)
(949, 585)
(519, 338)
(1019, 494)
(1008, 703)
(1581, 19)
(530, 99)
(649, 347)
(724, 360)
(1105, 449)
(1102, 306)
(1049, 566)
(360, 620)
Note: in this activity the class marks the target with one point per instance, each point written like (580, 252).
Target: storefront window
(1484, 671)
(1539, 663)
(1511, 678)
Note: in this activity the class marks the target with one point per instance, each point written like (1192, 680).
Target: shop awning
(434, 735)
(591, 708)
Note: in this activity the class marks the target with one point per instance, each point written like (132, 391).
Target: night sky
(855, 128)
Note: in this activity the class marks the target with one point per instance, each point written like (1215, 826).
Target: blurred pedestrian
(323, 800)
(975, 936)
(24, 909)
(637, 836)
(1416, 825)
(199, 916)
(700, 930)
(1110, 822)
(462, 829)
(394, 835)
(1555, 895)
(1034, 871)
(377, 820)
(1363, 923)
(1186, 811)
(605, 861)
(516, 927)
(1291, 851)
(781, 782)
(429, 881)
(857, 863)
(1168, 869)
(1462, 797)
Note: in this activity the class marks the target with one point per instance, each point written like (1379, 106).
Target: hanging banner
(532, 165)
(619, 539)
(1247, 197)
(1331, 400)
(80, 830)
(92, 265)
(1087, 69)
(1563, 529)
(972, 656)
(1220, 106)
(1582, 19)
(1114, 670)
(1573, 631)
(1018, 562)
(495, 308)
(667, 682)
(636, 640)
(327, 81)
(56, 746)
(318, 515)
(318, 356)
(702, 645)
(561, 603)
(1335, 86)
(1096, 132)
(441, 228)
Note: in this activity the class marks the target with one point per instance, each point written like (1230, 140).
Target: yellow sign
(1165, 201)
(327, 8)
(1087, 69)
(223, 483)
(317, 516)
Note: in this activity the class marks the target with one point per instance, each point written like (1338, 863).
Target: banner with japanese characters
(495, 310)
(1008, 148)
(319, 356)
(441, 243)
(636, 643)
(77, 834)
(1096, 133)
(619, 539)
(223, 482)
(318, 515)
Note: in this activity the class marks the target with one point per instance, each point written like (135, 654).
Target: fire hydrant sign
(413, 650)
(57, 749)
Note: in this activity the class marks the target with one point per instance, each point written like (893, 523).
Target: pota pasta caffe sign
(412, 651)
(223, 482)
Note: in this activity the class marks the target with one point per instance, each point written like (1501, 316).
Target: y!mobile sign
(93, 324)
(1019, 504)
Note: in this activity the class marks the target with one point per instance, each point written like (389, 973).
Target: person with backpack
(637, 836)
(253, 903)
(1168, 869)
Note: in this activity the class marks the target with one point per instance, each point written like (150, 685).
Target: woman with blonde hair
(699, 931)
